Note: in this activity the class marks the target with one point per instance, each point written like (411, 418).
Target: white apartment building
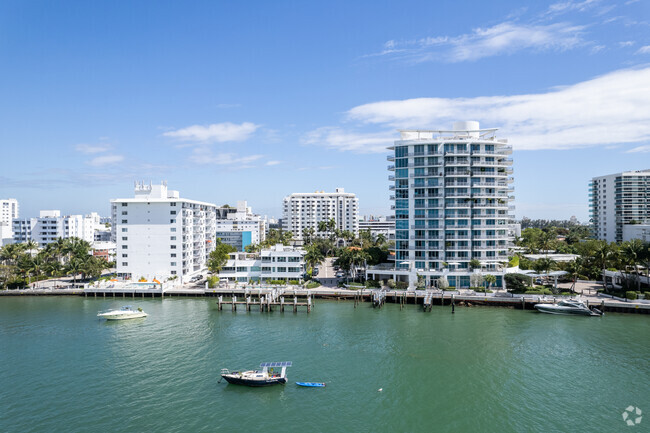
(50, 226)
(277, 263)
(8, 211)
(160, 235)
(451, 190)
(306, 210)
(636, 231)
(239, 227)
(617, 200)
(382, 225)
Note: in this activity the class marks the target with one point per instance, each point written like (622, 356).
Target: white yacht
(126, 312)
(568, 307)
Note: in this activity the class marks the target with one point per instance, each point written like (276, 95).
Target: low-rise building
(277, 263)
(636, 231)
(382, 225)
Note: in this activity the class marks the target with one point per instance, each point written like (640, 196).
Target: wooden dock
(268, 301)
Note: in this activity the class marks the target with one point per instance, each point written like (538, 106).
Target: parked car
(314, 272)
(196, 278)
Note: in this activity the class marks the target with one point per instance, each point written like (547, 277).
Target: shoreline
(449, 299)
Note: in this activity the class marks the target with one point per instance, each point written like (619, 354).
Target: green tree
(474, 264)
(490, 279)
(314, 256)
(219, 256)
(632, 253)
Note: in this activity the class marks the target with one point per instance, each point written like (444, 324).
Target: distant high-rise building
(619, 199)
(451, 192)
(8, 211)
(159, 235)
(306, 210)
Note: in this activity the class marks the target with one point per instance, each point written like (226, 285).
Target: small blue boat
(311, 384)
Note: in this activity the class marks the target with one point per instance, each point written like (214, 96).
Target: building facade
(50, 226)
(451, 193)
(8, 211)
(384, 226)
(160, 235)
(239, 227)
(277, 263)
(306, 210)
(616, 200)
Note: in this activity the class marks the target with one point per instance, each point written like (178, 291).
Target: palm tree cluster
(22, 263)
(595, 254)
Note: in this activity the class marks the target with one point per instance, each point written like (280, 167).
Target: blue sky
(253, 100)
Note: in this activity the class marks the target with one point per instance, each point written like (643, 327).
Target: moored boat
(265, 377)
(311, 384)
(126, 312)
(568, 307)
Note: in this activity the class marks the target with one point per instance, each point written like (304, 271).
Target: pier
(271, 298)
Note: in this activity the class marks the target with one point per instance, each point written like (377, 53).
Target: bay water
(480, 369)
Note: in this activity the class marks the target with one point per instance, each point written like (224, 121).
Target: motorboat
(568, 307)
(126, 312)
(272, 373)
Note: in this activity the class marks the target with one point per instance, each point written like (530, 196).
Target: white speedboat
(123, 313)
(265, 377)
(568, 307)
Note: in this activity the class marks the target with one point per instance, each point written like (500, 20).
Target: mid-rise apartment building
(306, 210)
(616, 200)
(50, 226)
(277, 263)
(451, 191)
(239, 227)
(160, 235)
(382, 225)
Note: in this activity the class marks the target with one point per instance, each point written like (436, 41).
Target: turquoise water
(481, 369)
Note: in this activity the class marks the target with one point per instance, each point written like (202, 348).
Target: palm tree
(603, 254)
(75, 266)
(380, 240)
(490, 279)
(314, 256)
(307, 234)
(631, 252)
(322, 226)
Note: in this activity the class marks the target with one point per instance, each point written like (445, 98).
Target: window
(124, 230)
(173, 212)
(172, 221)
(173, 238)
(124, 238)
(124, 204)
(173, 229)
(125, 255)
(172, 203)
(125, 222)
(173, 247)
(124, 212)
(124, 247)
(173, 263)
(173, 272)
(125, 264)
(173, 254)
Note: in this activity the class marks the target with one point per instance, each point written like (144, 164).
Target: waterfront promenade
(460, 298)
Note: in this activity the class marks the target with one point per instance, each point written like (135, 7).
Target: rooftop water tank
(468, 125)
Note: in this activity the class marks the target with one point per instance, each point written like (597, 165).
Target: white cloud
(215, 133)
(640, 149)
(90, 149)
(597, 48)
(504, 38)
(270, 163)
(203, 155)
(610, 109)
(644, 50)
(567, 6)
(626, 43)
(358, 142)
(105, 160)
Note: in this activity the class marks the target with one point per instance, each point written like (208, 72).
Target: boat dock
(297, 298)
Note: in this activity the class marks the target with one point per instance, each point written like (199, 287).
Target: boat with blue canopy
(311, 384)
